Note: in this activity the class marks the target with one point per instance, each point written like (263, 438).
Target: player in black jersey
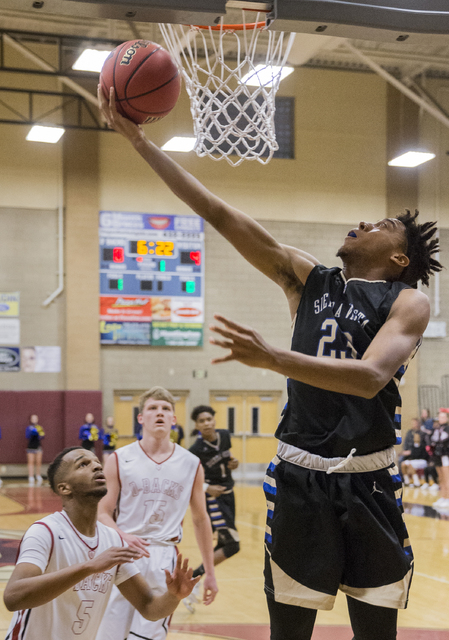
(333, 490)
(213, 448)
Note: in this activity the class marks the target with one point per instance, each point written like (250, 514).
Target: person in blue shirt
(109, 437)
(89, 433)
(34, 434)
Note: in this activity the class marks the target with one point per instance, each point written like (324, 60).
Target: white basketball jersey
(154, 496)
(77, 612)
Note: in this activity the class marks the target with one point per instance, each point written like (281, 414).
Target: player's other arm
(107, 504)
(179, 585)
(286, 266)
(391, 347)
(28, 587)
(203, 535)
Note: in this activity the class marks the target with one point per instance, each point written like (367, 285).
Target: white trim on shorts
(357, 464)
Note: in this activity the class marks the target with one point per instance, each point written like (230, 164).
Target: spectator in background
(426, 422)
(439, 443)
(89, 433)
(414, 455)
(177, 434)
(34, 434)
(109, 437)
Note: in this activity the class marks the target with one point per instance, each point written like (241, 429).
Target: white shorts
(121, 619)
(417, 464)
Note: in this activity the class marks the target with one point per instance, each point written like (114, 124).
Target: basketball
(145, 78)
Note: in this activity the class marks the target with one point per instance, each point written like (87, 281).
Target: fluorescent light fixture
(91, 60)
(411, 159)
(263, 75)
(39, 133)
(180, 143)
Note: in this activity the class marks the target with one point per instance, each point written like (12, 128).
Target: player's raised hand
(180, 583)
(113, 556)
(113, 119)
(247, 345)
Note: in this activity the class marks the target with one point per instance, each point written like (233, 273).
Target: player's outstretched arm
(203, 535)
(108, 503)
(179, 585)
(390, 349)
(288, 268)
(28, 587)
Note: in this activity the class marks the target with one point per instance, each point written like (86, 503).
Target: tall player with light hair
(151, 482)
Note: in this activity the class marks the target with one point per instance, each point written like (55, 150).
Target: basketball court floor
(239, 611)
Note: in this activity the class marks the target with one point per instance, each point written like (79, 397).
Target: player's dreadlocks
(420, 248)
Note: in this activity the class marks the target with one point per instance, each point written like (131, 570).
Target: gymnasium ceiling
(47, 28)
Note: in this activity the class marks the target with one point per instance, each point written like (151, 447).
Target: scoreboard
(151, 279)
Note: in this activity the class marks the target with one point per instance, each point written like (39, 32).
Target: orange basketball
(145, 78)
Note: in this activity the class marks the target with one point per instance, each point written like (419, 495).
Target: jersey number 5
(154, 513)
(80, 625)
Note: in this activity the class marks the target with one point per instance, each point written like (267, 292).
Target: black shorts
(335, 531)
(221, 511)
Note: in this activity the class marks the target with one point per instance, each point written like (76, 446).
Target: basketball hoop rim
(231, 27)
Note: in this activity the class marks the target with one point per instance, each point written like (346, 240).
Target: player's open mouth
(100, 478)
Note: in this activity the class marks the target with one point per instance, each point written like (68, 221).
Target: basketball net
(232, 106)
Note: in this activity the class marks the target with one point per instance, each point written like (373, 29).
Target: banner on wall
(125, 333)
(171, 334)
(125, 308)
(9, 359)
(9, 304)
(9, 331)
(41, 359)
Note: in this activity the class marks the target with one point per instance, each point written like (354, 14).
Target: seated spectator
(439, 446)
(89, 433)
(177, 434)
(414, 456)
(426, 422)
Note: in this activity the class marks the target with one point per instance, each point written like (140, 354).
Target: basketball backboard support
(182, 11)
(412, 21)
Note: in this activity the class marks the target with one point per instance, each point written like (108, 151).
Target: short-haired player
(68, 563)
(151, 483)
(213, 448)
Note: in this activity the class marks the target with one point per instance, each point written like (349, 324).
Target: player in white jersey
(68, 563)
(151, 483)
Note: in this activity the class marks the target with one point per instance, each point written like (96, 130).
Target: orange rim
(232, 27)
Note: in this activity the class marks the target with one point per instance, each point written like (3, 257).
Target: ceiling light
(263, 75)
(411, 159)
(39, 133)
(180, 143)
(91, 60)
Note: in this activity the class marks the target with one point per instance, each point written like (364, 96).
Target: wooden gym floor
(239, 611)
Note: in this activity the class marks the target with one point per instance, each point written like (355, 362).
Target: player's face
(89, 418)
(205, 423)
(84, 475)
(375, 240)
(157, 417)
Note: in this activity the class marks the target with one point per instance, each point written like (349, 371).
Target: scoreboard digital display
(151, 279)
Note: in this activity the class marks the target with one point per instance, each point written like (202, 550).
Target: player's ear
(174, 421)
(139, 418)
(63, 489)
(400, 259)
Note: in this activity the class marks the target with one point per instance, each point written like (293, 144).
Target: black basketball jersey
(338, 318)
(214, 457)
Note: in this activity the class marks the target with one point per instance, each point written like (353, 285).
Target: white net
(232, 100)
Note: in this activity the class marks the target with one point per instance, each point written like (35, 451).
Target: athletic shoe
(31, 481)
(434, 487)
(444, 504)
(425, 486)
(39, 480)
(439, 503)
(193, 599)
